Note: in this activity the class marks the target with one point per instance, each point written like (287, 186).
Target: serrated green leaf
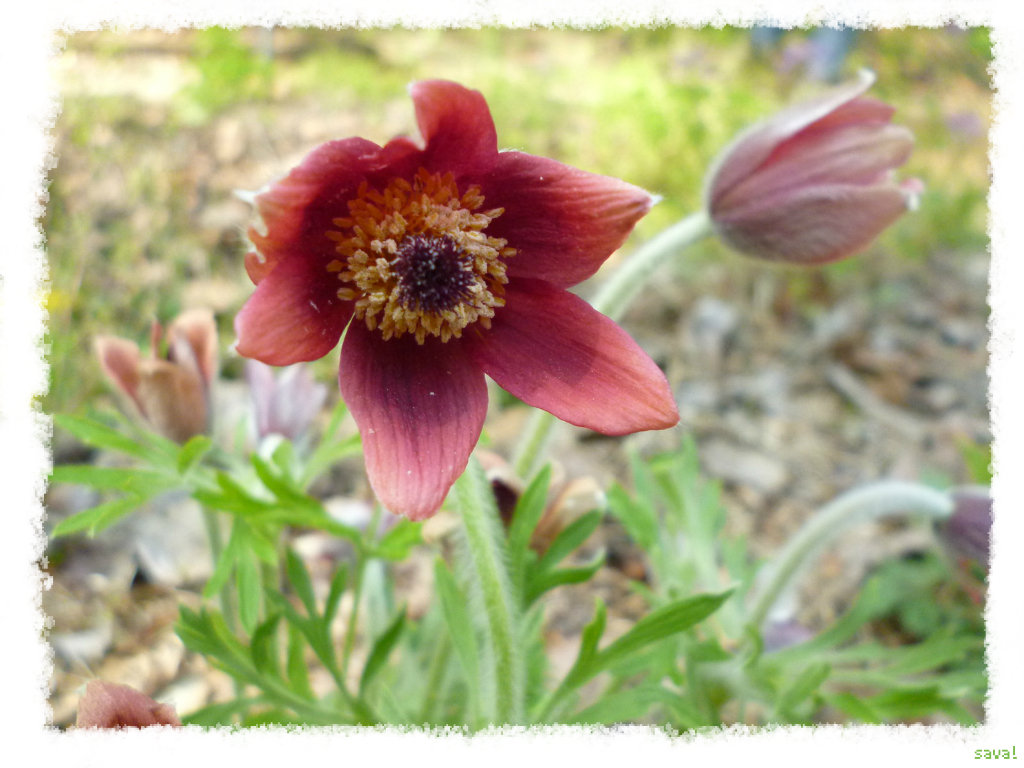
(382, 648)
(97, 518)
(398, 542)
(855, 707)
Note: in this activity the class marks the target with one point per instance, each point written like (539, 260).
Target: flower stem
(357, 592)
(613, 299)
(870, 502)
(485, 546)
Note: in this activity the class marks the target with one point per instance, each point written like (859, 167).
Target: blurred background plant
(795, 384)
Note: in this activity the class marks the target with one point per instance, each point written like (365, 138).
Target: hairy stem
(485, 546)
(870, 502)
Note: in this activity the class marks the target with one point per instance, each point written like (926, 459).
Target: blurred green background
(156, 130)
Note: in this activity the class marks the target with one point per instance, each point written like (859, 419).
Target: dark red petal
(556, 352)
(563, 222)
(456, 125)
(299, 209)
(294, 315)
(419, 408)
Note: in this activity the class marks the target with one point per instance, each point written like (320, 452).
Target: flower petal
(294, 315)
(300, 208)
(852, 154)
(563, 222)
(119, 359)
(556, 352)
(753, 146)
(173, 398)
(199, 329)
(419, 408)
(106, 705)
(816, 225)
(456, 125)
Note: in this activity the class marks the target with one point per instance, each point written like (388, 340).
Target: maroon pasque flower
(813, 184)
(446, 261)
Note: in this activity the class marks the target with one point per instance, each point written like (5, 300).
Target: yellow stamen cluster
(387, 226)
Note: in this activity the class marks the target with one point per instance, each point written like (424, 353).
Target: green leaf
(805, 684)
(140, 482)
(99, 435)
(855, 707)
(590, 638)
(282, 488)
(570, 539)
(540, 582)
(97, 518)
(382, 647)
(661, 623)
(637, 518)
(263, 646)
(626, 706)
(193, 451)
(460, 625)
(298, 672)
(250, 588)
(398, 542)
(219, 714)
(298, 577)
(334, 594)
(528, 512)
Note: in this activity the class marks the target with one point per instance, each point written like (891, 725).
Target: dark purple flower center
(434, 274)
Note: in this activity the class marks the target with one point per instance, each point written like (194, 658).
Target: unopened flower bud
(813, 184)
(968, 530)
(171, 388)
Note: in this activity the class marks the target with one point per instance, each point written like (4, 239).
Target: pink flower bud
(106, 705)
(171, 391)
(969, 528)
(813, 184)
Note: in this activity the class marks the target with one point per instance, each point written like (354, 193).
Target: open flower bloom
(106, 705)
(446, 261)
(170, 389)
(814, 183)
